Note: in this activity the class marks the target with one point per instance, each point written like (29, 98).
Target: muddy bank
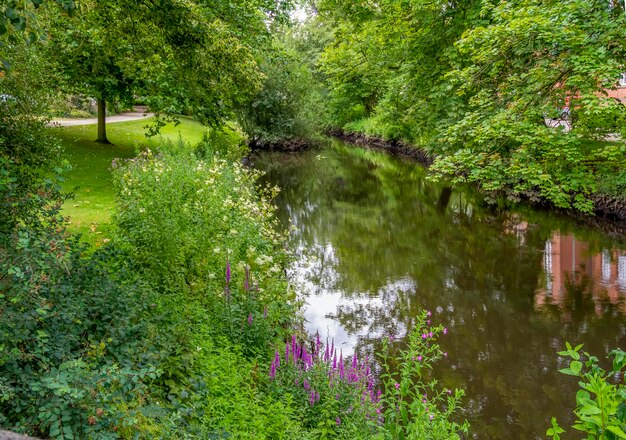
(397, 148)
(610, 212)
(284, 145)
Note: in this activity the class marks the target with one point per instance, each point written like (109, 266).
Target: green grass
(90, 210)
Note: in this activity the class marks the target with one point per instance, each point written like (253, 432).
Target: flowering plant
(337, 394)
(414, 407)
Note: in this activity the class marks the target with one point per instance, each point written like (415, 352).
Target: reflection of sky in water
(374, 243)
(314, 276)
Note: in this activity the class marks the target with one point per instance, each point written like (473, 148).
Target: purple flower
(428, 313)
(272, 370)
(397, 386)
(445, 354)
(445, 330)
(338, 421)
(250, 321)
(431, 417)
(419, 358)
(286, 353)
(318, 343)
(227, 271)
(430, 335)
(277, 359)
(306, 385)
(246, 281)
(424, 335)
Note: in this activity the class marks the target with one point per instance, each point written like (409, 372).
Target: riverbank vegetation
(178, 320)
(511, 97)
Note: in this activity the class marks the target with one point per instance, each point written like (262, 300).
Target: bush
(601, 400)
(414, 406)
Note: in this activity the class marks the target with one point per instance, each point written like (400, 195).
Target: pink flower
(445, 354)
(445, 330)
(397, 386)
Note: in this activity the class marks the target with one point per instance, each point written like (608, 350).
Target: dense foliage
(509, 95)
(601, 400)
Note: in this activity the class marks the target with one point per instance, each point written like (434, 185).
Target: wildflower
(227, 272)
(397, 386)
(246, 281)
(428, 313)
(445, 354)
(424, 335)
(338, 421)
(445, 330)
(431, 417)
(273, 371)
(250, 320)
(430, 335)
(419, 358)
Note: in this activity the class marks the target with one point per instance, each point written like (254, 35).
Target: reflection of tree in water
(373, 230)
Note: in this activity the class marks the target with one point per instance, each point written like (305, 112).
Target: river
(374, 242)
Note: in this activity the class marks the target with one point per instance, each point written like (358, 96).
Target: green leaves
(600, 404)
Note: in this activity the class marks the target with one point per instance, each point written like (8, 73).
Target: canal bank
(372, 246)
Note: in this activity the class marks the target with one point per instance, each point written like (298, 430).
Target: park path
(138, 113)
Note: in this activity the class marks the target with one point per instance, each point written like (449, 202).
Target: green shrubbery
(172, 329)
(601, 400)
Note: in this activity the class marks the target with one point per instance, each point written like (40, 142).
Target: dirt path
(139, 113)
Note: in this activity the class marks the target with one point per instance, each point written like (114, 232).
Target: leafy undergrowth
(170, 329)
(89, 211)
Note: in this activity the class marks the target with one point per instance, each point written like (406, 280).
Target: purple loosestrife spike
(326, 353)
(354, 361)
(250, 320)
(227, 271)
(305, 384)
(312, 398)
(277, 359)
(246, 280)
(332, 347)
(272, 371)
(318, 343)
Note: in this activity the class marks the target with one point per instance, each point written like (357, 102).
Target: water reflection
(374, 242)
(569, 262)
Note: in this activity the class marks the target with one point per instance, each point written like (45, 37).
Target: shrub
(335, 396)
(601, 400)
(414, 406)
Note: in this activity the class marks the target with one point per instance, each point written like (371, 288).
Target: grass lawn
(90, 180)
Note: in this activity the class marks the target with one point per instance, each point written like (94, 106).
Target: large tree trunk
(102, 122)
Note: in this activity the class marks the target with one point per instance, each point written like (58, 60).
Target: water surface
(374, 242)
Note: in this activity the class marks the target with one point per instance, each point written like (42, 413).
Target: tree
(183, 56)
